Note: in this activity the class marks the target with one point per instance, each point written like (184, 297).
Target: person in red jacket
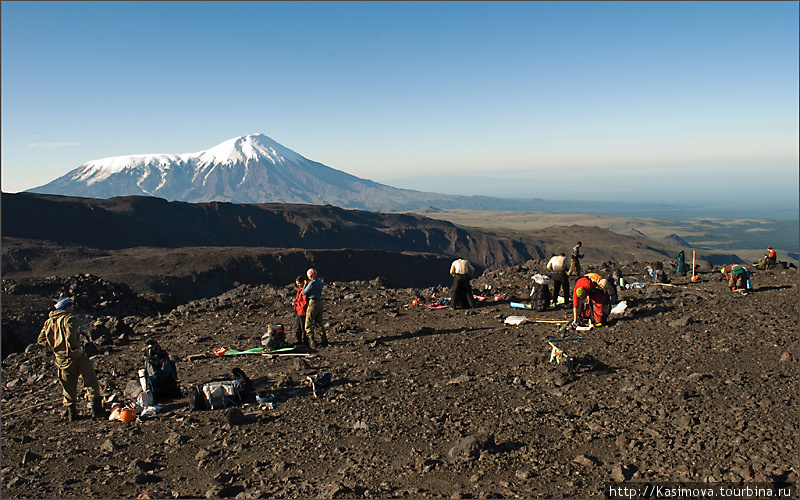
(769, 260)
(300, 304)
(588, 300)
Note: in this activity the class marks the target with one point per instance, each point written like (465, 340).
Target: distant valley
(745, 238)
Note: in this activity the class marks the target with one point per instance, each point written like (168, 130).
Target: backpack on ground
(540, 296)
(160, 372)
(220, 394)
(275, 338)
(658, 275)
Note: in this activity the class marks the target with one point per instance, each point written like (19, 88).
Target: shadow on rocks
(424, 332)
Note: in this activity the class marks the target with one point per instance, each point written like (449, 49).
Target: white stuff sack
(541, 279)
(619, 308)
(515, 320)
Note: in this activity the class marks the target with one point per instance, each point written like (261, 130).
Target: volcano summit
(246, 169)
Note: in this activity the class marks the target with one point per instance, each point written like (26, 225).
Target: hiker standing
(313, 291)
(575, 260)
(300, 304)
(558, 266)
(60, 333)
(461, 291)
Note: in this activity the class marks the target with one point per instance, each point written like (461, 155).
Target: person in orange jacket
(588, 299)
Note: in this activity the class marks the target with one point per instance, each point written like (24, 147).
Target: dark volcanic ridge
(200, 250)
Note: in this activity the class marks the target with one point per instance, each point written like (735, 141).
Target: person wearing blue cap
(60, 334)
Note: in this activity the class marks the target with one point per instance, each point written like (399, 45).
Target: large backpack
(540, 297)
(275, 338)
(220, 394)
(160, 373)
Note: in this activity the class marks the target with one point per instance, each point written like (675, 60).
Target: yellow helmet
(579, 291)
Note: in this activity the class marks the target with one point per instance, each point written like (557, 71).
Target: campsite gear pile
(220, 394)
(128, 412)
(275, 338)
(159, 375)
(321, 380)
(540, 293)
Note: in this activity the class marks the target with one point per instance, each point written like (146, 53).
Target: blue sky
(650, 101)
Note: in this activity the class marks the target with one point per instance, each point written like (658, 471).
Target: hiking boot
(312, 344)
(71, 413)
(98, 412)
(323, 341)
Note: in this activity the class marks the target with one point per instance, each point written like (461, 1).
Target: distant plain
(746, 238)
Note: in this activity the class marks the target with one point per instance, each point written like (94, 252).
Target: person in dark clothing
(610, 289)
(611, 297)
(558, 267)
(461, 292)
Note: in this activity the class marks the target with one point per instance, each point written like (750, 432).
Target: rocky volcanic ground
(693, 383)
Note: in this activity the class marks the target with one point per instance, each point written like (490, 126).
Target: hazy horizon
(569, 100)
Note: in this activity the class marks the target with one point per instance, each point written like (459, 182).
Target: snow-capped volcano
(246, 148)
(247, 169)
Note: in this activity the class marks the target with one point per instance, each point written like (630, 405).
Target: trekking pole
(563, 327)
(28, 408)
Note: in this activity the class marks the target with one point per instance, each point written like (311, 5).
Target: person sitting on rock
(769, 260)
